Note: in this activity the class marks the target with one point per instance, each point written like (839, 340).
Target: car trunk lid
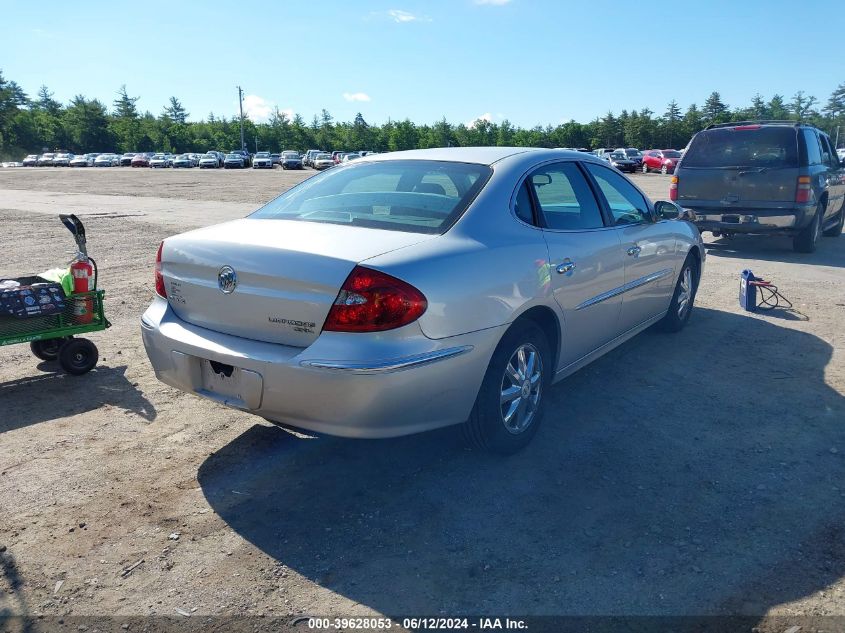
(288, 274)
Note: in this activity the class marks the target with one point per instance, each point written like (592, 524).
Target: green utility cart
(40, 312)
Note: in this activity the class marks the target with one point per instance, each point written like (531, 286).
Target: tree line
(31, 124)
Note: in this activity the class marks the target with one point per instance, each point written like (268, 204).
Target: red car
(663, 160)
(140, 160)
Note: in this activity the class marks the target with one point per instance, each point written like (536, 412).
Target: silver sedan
(416, 290)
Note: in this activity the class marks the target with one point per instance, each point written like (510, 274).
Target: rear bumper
(752, 220)
(350, 385)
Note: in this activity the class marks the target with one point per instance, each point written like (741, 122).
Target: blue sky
(530, 61)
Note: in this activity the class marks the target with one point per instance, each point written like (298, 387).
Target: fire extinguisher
(84, 281)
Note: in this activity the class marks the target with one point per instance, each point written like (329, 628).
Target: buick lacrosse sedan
(415, 290)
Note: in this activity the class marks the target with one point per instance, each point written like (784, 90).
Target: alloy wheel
(685, 294)
(521, 388)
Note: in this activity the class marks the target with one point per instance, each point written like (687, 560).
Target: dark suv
(763, 177)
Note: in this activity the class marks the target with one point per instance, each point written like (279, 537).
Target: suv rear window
(729, 147)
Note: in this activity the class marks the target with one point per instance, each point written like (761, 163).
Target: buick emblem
(227, 280)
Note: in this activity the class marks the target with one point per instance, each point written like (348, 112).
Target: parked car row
(337, 157)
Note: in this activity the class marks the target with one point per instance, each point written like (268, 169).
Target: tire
(489, 426)
(836, 229)
(683, 298)
(48, 349)
(645, 168)
(78, 356)
(664, 169)
(807, 239)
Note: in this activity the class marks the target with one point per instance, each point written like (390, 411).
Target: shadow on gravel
(48, 396)
(12, 602)
(688, 474)
(829, 252)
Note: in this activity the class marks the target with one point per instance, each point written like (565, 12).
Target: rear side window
(415, 196)
(814, 155)
(756, 147)
(523, 207)
(565, 198)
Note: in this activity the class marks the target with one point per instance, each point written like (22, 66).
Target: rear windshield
(728, 147)
(415, 196)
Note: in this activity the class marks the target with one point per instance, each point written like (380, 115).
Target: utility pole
(241, 104)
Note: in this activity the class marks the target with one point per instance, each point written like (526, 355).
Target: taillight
(804, 191)
(372, 301)
(673, 188)
(746, 127)
(160, 290)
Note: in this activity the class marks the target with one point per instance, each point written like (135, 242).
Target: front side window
(417, 196)
(626, 204)
(566, 201)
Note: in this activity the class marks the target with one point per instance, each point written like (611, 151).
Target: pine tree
(835, 106)
(126, 124)
(693, 121)
(758, 109)
(777, 108)
(175, 111)
(672, 116)
(714, 111)
(802, 105)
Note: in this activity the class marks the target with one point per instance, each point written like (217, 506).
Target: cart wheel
(78, 356)
(47, 350)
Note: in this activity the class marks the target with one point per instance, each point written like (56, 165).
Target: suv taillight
(160, 290)
(673, 189)
(372, 301)
(804, 190)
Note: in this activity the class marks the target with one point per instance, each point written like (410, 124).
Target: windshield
(263, 155)
(416, 196)
(323, 157)
(618, 156)
(757, 147)
(633, 152)
(290, 155)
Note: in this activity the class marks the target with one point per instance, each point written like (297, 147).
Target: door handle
(566, 267)
(634, 251)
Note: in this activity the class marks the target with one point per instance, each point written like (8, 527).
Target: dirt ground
(690, 474)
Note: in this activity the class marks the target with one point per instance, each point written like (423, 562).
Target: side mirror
(666, 210)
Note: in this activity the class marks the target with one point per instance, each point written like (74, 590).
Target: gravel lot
(700, 473)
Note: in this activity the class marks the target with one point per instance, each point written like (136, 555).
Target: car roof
(481, 155)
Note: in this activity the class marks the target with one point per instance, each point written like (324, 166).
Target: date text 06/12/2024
(417, 624)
